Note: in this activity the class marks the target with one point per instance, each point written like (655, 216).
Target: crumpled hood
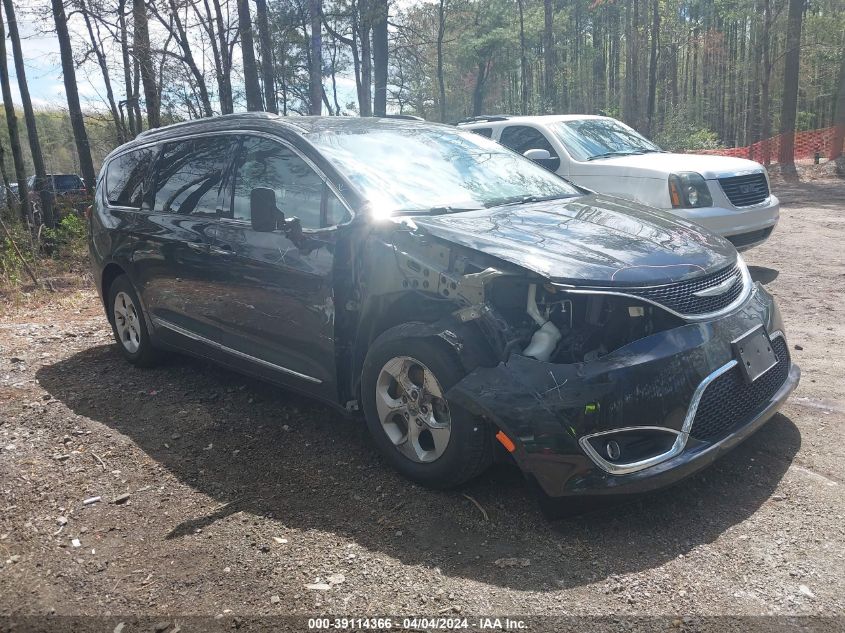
(660, 165)
(593, 240)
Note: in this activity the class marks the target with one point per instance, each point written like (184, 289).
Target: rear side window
(126, 178)
(189, 175)
(521, 138)
(486, 132)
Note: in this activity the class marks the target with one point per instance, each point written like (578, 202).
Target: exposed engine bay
(556, 326)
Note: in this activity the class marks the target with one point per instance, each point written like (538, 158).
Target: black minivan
(468, 302)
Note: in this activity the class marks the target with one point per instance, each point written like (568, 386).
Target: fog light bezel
(678, 441)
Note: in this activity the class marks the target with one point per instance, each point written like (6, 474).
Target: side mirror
(537, 154)
(264, 214)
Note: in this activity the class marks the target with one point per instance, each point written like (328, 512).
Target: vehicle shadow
(763, 274)
(259, 449)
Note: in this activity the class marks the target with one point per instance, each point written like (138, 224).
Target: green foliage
(679, 133)
(11, 269)
(68, 239)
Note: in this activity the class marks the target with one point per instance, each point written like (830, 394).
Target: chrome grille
(680, 297)
(744, 191)
(729, 401)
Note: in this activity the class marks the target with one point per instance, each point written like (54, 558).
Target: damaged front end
(599, 390)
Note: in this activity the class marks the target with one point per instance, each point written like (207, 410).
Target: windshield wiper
(527, 199)
(632, 152)
(435, 210)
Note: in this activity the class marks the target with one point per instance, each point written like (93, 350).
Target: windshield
(417, 169)
(588, 139)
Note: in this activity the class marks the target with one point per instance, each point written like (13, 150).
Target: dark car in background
(470, 303)
(68, 190)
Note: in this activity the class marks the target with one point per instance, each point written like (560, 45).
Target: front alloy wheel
(412, 410)
(404, 382)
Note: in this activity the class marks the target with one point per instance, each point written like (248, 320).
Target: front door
(277, 295)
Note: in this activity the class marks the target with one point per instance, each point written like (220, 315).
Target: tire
(423, 457)
(128, 324)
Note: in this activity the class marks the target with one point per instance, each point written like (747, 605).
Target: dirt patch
(245, 500)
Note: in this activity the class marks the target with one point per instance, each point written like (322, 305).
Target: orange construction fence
(807, 144)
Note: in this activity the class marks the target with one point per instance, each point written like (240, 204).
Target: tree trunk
(523, 59)
(441, 32)
(549, 56)
(629, 97)
(315, 76)
(41, 184)
(380, 57)
(251, 86)
(765, 82)
(478, 91)
(224, 82)
(96, 46)
(265, 45)
(652, 66)
(12, 125)
(7, 187)
(365, 21)
(836, 150)
(143, 55)
(133, 123)
(77, 121)
(789, 107)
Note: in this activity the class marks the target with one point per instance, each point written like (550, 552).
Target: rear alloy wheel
(404, 383)
(128, 325)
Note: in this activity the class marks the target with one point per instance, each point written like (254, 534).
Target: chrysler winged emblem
(718, 289)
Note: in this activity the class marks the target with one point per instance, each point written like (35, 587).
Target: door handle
(221, 251)
(198, 247)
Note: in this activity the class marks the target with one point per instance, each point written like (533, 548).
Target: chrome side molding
(159, 322)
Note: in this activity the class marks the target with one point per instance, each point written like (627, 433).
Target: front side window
(126, 177)
(411, 169)
(190, 175)
(588, 139)
(300, 191)
(521, 138)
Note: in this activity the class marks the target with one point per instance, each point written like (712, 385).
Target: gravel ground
(220, 496)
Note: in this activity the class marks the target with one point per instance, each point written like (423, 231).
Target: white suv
(729, 196)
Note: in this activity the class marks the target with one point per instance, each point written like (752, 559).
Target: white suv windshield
(417, 169)
(588, 139)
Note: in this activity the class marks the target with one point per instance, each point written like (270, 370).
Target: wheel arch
(111, 272)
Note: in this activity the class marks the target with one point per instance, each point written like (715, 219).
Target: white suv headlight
(688, 190)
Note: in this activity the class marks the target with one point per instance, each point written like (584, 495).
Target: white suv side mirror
(537, 154)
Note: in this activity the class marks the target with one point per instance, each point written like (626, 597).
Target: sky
(42, 62)
(44, 69)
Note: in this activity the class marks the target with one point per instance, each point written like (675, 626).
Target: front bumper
(548, 409)
(744, 226)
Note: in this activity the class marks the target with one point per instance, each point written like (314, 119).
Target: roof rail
(200, 121)
(485, 117)
(406, 117)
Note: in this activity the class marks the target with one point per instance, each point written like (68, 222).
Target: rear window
(67, 182)
(126, 178)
